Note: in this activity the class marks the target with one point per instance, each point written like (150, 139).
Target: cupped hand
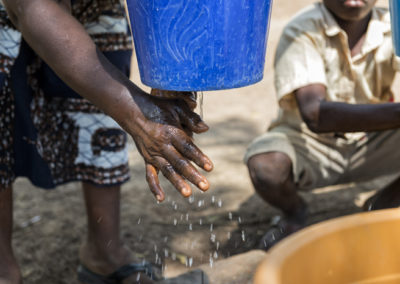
(164, 139)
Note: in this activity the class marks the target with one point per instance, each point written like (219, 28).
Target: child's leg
(9, 271)
(104, 252)
(271, 175)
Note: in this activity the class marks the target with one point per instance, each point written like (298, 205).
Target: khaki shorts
(322, 160)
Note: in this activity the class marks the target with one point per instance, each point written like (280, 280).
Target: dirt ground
(181, 233)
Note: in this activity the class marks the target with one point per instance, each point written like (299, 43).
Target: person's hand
(165, 141)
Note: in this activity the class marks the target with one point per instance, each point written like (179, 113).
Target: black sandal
(275, 233)
(89, 277)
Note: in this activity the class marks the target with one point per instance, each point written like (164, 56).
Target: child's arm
(155, 124)
(323, 116)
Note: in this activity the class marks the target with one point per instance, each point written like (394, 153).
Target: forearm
(343, 117)
(61, 41)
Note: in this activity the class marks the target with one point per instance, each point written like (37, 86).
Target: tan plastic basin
(359, 249)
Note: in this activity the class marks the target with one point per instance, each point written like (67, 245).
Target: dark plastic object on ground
(199, 45)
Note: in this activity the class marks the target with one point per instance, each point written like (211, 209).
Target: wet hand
(164, 139)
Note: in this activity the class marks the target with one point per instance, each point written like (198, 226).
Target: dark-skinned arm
(322, 116)
(157, 125)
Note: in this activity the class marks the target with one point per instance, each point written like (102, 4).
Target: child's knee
(272, 169)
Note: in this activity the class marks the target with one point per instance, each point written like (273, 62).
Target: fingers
(154, 183)
(191, 120)
(190, 151)
(186, 169)
(190, 99)
(177, 180)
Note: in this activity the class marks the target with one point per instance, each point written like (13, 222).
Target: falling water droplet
(240, 220)
(139, 220)
(213, 237)
(191, 199)
(215, 254)
(191, 262)
(211, 227)
(230, 215)
(175, 221)
(213, 199)
(190, 227)
(201, 221)
(219, 203)
(243, 236)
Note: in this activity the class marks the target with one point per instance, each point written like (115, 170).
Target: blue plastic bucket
(199, 45)
(394, 14)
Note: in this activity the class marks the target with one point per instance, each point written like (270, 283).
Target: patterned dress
(48, 133)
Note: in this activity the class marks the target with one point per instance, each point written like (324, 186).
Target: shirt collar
(377, 28)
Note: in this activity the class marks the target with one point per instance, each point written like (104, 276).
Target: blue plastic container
(394, 14)
(199, 45)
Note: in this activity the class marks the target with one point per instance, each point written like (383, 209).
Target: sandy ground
(182, 233)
